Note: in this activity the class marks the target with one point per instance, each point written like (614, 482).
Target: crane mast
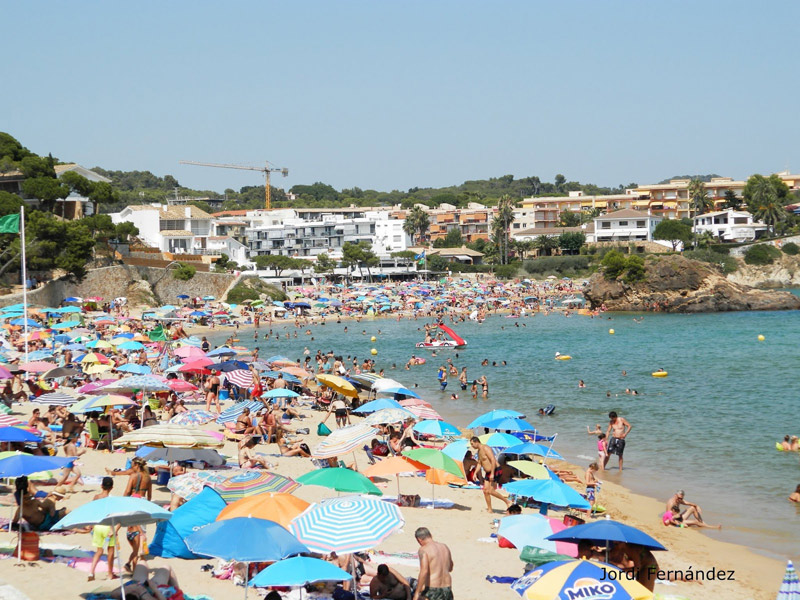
(267, 170)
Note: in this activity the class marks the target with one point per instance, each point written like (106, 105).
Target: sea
(709, 427)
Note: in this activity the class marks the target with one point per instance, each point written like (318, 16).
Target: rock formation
(676, 284)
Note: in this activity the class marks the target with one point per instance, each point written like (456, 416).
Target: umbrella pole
(119, 560)
(397, 477)
(19, 529)
(246, 578)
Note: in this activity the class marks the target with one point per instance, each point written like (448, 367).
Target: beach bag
(323, 429)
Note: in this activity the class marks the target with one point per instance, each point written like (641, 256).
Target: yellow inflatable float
(659, 374)
(563, 356)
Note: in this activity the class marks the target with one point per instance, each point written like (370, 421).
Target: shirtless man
(491, 470)
(618, 430)
(389, 584)
(435, 566)
(692, 510)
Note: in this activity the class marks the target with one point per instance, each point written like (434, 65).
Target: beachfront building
(730, 225)
(175, 229)
(545, 212)
(625, 225)
(474, 221)
(530, 235)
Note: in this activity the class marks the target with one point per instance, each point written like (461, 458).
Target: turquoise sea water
(710, 427)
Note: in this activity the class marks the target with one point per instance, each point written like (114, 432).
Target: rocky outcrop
(676, 284)
(784, 272)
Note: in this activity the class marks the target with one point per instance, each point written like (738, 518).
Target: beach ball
(374, 351)
(761, 338)
(372, 339)
(611, 331)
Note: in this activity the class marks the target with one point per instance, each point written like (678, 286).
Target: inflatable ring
(659, 374)
(564, 357)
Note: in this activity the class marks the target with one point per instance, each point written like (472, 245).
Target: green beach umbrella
(435, 459)
(341, 480)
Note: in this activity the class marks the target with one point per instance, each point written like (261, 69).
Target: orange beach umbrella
(278, 507)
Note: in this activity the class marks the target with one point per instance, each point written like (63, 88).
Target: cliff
(676, 284)
(784, 272)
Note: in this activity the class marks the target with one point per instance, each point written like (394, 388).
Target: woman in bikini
(139, 486)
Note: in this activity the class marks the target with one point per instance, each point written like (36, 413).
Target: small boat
(454, 342)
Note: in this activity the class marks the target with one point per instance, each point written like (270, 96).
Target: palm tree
(699, 202)
(501, 225)
(417, 223)
(545, 244)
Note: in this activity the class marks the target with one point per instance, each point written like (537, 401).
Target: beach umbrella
(384, 383)
(22, 322)
(93, 357)
(251, 482)
(573, 579)
(56, 398)
(509, 424)
(134, 368)
(193, 418)
(131, 345)
(297, 372)
(99, 403)
(188, 485)
(230, 365)
(24, 464)
(180, 385)
(278, 507)
(338, 384)
(436, 428)
(280, 393)
(189, 352)
(530, 468)
(435, 459)
(138, 382)
(5, 373)
(183, 296)
(422, 411)
(456, 450)
(241, 377)
(493, 415)
(12, 433)
(548, 492)
(605, 531)
(394, 465)
(347, 524)
(399, 391)
(344, 440)
(231, 414)
(170, 436)
(341, 480)
(221, 351)
(59, 372)
(299, 571)
(36, 366)
(198, 365)
(95, 386)
(532, 530)
(376, 405)
(388, 415)
(245, 539)
(790, 586)
(531, 448)
(206, 455)
(99, 344)
(499, 440)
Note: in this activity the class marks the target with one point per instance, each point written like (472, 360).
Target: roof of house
(723, 212)
(176, 233)
(463, 251)
(59, 169)
(625, 213)
(173, 212)
(231, 213)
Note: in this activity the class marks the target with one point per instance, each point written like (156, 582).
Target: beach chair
(95, 435)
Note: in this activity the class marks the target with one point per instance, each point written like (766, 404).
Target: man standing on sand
(435, 566)
(491, 471)
(618, 430)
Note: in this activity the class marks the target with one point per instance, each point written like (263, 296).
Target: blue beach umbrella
(280, 393)
(376, 405)
(298, 571)
(499, 440)
(456, 450)
(399, 391)
(548, 491)
(230, 414)
(494, 414)
(73, 299)
(126, 511)
(228, 365)
(605, 531)
(183, 296)
(24, 464)
(21, 322)
(16, 434)
(437, 428)
(134, 368)
(221, 351)
(530, 448)
(66, 325)
(509, 424)
(70, 309)
(131, 345)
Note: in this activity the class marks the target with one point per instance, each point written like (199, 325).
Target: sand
(460, 528)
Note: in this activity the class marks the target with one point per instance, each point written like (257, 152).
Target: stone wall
(141, 285)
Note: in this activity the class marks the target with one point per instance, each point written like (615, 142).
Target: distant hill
(703, 178)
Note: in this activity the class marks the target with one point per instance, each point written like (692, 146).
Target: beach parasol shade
(188, 485)
(230, 414)
(38, 366)
(138, 382)
(338, 384)
(509, 424)
(531, 448)
(135, 369)
(245, 539)
(344, 440)
(376, 405)
(548, 492)
(532, 469)
(6, 420)
(11, 433)
(297, 372)
(456, 450)
(499, 440)
(388, 415)
(60, 372)
(170, 436)
(437, 428)
(179, 385)
(206, 455)
(347, 524)
(5, 373)
(280, 393)
(126, 511)
(193, 418)
(532, 530)
(398, 391)
(24, 464)
(790, 586)
(99, 403)
(435, 459)
(278, 507)
(56, 398)
(605, 531)
(422, 411)
(578, 579)
(190, 352)
(241, 377)
(341, 480)
(298, 571)
(252, 482)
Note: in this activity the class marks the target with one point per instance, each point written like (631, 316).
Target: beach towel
(424, 502)
(501, 579)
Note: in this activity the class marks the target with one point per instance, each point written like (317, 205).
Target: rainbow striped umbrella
(790, 587)
(346, 524)
(344, 440)
(251, 482)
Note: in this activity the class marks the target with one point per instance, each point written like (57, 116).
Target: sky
(396, 94)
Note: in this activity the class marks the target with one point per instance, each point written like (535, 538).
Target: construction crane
(266, 170)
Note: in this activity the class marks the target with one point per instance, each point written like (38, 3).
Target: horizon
(397, 96)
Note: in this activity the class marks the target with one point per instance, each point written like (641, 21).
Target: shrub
(725, 262)
(561, 265)
(634, 269)
(506, 271)
(239, 293)
(791, 249)
(184, 272)
(761, 254)
(614, 263)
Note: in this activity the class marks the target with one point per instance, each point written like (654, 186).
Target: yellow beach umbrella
(338, 384)
(531, 469)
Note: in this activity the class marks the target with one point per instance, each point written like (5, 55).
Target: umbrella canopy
(509, 424)
(790, 586)
(394, 465)
(456, 450)
(344, 440)
(25, 464)
(230, 414)
(499, 440)
(532, 530)
(206, 455)
(280, 393)
(298, 571)
(170, 436)
(99, 403)
(341, 480)
(57, 398)
(379, 404)
(36, 366)
(253, 482)
(179, 385)
(338, 384)
(530, 468)
(530, 448)
(60, 372)
(134, 368)
(388, 415)
(437, 428)
(193, 418)
(114, 510)
(138, 382)
(578, 579)
(347, 524)
(435, 459)
(245, 539)
(605, 531)
(492, 415)
(188, 485)
(548, 492)
(10, 433)
(399, 391)
(278, 507)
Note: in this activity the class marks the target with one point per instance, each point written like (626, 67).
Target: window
(641, 224)
(605, 225)
(623, 223)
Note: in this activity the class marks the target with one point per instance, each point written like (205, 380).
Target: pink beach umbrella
(38, 366)
(179, 385)
(190, 353)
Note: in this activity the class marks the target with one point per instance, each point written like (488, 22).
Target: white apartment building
(625, 225)
(178, 229)
(730, 225)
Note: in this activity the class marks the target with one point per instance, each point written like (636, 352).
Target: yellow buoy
(372, 339)
(611, 331)
(761, 338)
(374, 351)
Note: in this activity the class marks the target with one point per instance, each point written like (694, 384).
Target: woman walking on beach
(139, 486)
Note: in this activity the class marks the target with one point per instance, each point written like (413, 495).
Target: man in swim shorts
(435, 566)
(618, 430)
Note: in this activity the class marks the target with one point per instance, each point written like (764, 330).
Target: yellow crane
(266, 170)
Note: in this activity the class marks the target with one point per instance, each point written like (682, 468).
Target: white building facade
(625, 225)
(730, 225)
(177, 229)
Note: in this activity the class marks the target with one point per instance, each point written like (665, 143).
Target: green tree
(522, 248)
(571, 241)
(698, 197)
(545, 244)
(568, 218)
(224, 263)
(9, 203)
(453, 239)
(761, 254)
(634, 269)
(791, 249)
(766, 198)
(47, 190)
(437, 264)
(614, 263)
(359, 255)
(124, 230)
(277, 262)
(732, 200)
(673, 231)
(560, 180)
(501, 226)
(324, 264)
(417, 224)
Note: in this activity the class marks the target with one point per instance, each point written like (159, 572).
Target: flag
(420, 256)
(9, 224)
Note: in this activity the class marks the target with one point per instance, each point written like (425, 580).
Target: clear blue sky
(394, 94)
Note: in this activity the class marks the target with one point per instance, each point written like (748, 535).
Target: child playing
(602, 450)
(591, 485)
(104, 535)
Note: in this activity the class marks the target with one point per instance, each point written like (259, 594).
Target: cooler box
(224, 395)
(570, 520)
(162, 476)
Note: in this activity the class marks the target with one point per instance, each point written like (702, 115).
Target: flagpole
(24, 278)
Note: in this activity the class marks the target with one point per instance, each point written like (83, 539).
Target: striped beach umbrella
(344, 440)
(424, 412)
(388, 415)
(251, 482)
(188, 485)
(230, 414)
(170, 436)
(790, 587)
(9, 421)
(193, 417)
(241, 377)
(347, 524)
(56, 398)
